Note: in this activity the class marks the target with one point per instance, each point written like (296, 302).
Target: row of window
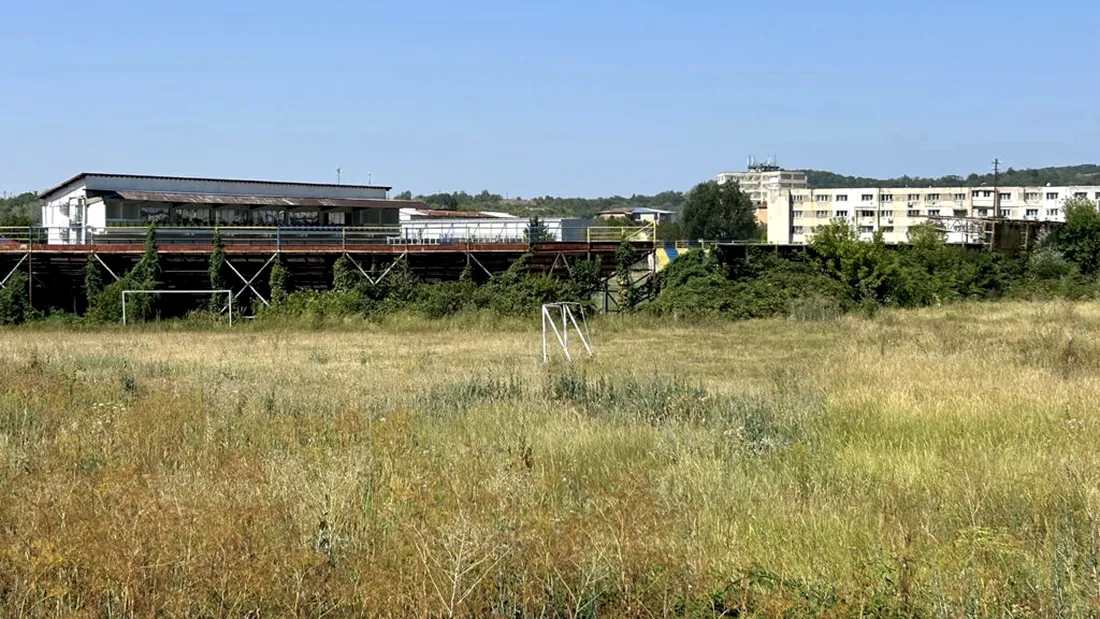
(932, 212)
(1030, 196)
(862, 229)
(935, 197)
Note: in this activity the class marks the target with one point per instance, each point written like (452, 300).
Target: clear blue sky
(562, 98)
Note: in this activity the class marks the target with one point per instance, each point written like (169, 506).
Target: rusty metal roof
(429, 213)
(285, 202)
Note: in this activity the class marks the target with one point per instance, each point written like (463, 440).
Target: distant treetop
(547, 206)
(19, 210)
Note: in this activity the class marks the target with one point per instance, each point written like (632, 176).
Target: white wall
(492, 230)
(63, 214)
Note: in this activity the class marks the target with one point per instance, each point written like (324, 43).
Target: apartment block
(794, 213)
(760, 180)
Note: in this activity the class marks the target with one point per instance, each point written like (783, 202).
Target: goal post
(228, 295)
(552, 313)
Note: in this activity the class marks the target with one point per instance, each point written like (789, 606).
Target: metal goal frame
(228, 294)
(567, 316)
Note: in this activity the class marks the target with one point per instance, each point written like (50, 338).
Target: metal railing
(19, 236)
(644, 233)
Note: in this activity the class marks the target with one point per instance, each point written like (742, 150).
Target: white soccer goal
(551, 314)
(228, 295)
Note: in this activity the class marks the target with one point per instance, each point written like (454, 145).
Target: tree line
(546, 206)
(1087, 174)
(20, 210)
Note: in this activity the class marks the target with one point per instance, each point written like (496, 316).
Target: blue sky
(564, 98)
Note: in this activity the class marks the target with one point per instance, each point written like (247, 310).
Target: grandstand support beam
(104, 265)
(352, 260)
(13, 270)
(565, 262)
(248, 282)
(390, 268)
(378, 280)
(470, 256)
(568, 267)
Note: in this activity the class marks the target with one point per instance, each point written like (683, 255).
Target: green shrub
(516, 291)
(1079, 238)
(216, 271)
(766, 285)
(93, 283)
(447, 298)
(344, 274)
(15, 307)
(279, 282)
(625, 257)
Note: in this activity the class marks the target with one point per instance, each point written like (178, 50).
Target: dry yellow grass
(939, 462)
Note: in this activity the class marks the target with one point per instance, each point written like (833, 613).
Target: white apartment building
(762, 178)
(794, 214)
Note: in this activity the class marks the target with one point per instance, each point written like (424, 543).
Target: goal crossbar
(228, 294)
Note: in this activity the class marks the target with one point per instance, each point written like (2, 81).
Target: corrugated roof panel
(81, 175)
(282, 202)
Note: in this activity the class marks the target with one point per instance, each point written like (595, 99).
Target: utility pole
(996, 203)
(337, 176)
(996, 187)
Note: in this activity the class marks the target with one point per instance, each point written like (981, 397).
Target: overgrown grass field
(938, 462)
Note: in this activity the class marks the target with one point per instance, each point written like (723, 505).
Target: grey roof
(77, 177)
(280, 201)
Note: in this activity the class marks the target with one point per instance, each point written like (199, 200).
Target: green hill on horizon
(1084, 174)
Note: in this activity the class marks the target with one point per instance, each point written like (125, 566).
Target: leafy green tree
(444, 201)
(719, 212)
(758, 286)
(218, 279)
(93, 282)
(1079, 238)
(517, 291)
(926, 237)
(401, 285)
(625, 257)
(536, 231)
(148, 271)
(279, 281)
(146, 275)
(20, 210)
(670, 231)
(867, 267)
(15, 308)
(585, 279)
(345, 277)
(404, 195)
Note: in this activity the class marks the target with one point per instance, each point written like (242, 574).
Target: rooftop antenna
(337, 176)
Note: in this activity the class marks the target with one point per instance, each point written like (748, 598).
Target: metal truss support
(96, 256)
(13, 270)
(378, 280)
(470, 256)
(248, 282)
(565, 261)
